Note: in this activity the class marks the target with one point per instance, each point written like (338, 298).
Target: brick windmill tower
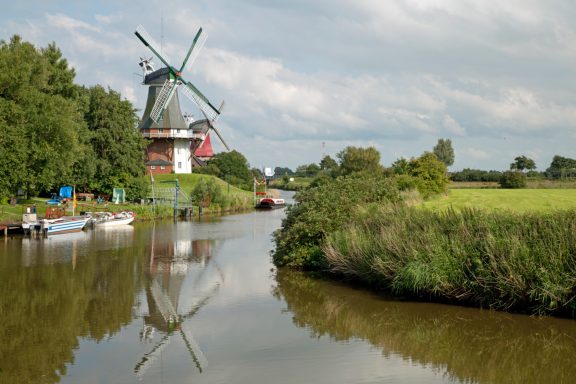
(178, 142)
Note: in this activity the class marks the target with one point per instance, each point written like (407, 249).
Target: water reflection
(171, 262)
(467, 344)
(53, 296)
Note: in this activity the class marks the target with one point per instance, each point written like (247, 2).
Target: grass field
(517, 200)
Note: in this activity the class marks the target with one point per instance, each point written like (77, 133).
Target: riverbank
(229, 199)
(517, 253)
(521, 262)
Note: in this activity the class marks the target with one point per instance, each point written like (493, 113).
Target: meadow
(515, 200)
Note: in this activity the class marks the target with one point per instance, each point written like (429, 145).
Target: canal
(201, 302)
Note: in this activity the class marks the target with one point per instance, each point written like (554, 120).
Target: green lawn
(518, 200)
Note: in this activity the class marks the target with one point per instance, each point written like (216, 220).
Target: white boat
(64, 224)
(108, 219)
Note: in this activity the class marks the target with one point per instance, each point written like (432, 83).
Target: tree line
(54, 132)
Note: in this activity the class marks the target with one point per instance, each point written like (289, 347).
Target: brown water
(98, 307)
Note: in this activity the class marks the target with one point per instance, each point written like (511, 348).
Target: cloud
(64, 22)
(399, 74)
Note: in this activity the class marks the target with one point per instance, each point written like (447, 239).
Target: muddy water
(201, 302)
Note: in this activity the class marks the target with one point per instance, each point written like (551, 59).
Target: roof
(159, 162)
(205, 149)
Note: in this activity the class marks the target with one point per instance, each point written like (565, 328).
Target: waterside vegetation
(501, 260)
(401, 231)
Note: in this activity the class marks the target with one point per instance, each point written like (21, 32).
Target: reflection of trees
(45, 308)
(171, 261)
(470, 345)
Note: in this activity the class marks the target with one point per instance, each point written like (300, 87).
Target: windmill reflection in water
(170, 264)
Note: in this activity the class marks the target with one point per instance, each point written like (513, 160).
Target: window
(160, 130)
(179, 164)
(178, 130)
(152, 167)
(162, 167)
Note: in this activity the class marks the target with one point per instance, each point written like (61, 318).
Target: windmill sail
(149, 42)
(197, 44)
(201, 101)
(162, 100)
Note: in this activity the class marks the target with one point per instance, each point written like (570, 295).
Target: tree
(234, 167)
(522, 163)
(400, 166)
(281, 171)
(430, 173)
(328, 164)
(307, 170)
(354, 159)
(513, 180)
(444, 152)
(114, 145)
(561, 167)
(39, 117)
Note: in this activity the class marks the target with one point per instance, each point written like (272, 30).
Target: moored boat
(270, 203)
(64, 224)
(108, 219)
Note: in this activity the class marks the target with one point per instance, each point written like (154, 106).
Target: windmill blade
(150, 357)
(201, 101)
(220, 137)
(221, 108)
(197, 355)
(162, 100)
(197, 44)
(213, 127)
(149, 42)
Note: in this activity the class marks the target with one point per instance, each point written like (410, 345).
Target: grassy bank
(502, 260)
(517, 200)
(231, 199)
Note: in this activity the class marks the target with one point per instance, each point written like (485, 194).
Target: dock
(12, 227)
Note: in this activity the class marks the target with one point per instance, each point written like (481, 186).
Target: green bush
(207, 192)
(323, 209)
(431, 174)
(513, 180)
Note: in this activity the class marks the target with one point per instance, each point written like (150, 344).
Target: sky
(305, 79)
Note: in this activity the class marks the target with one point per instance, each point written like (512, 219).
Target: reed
(502, 260)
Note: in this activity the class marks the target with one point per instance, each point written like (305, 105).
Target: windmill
(176, 79)
(203, 127)
(174, 139)
(169, 265)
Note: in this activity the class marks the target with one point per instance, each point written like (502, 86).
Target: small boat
(108, 219)
(64, 224)
(270, 203)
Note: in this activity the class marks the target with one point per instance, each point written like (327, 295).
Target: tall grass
(501, 260)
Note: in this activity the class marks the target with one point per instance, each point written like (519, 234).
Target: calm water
(201, 302)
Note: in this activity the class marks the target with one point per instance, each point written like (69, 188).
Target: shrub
(430, 174)
(324, 209)
(206, 192)
(513, 180)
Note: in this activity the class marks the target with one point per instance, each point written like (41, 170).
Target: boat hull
(64, 224)
(270, 203)
(115, 222)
